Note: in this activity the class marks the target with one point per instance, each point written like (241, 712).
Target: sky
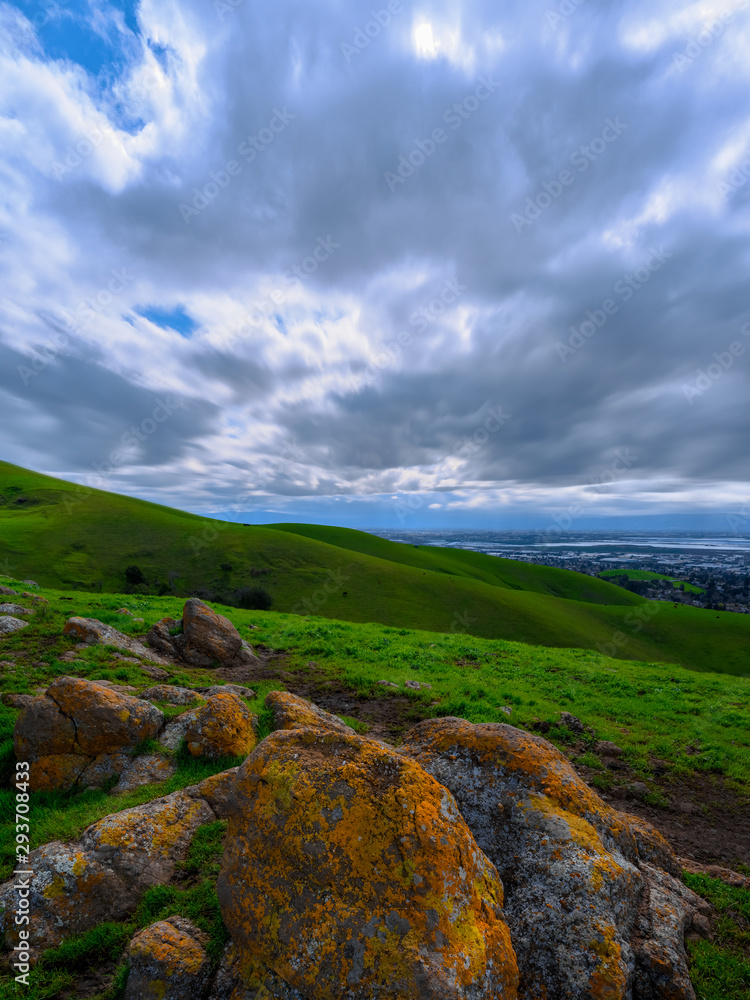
(417, 264)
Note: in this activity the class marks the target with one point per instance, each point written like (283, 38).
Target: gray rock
(604, 748)
(91, 632)
(171, 695)
(568, 721)
(238, 689)
(9, 625)
(7, 592)
(14, 609)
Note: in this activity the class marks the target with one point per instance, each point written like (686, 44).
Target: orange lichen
(223, 727)
(384, 863)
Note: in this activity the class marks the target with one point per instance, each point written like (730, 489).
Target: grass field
(66, 536)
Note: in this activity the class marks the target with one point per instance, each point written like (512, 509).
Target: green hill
(71, 537)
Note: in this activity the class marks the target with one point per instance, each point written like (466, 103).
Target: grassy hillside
(66, 536)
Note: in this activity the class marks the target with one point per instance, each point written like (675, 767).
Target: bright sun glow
(424, 41)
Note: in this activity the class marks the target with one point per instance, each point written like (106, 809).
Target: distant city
(703, 570)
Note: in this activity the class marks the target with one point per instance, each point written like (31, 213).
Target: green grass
(644, 574)
(720, 969)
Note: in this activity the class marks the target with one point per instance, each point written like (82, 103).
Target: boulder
(206, 639)
(90, 632)
(223, 727)
(574, 868)
(7, 592)
(168, 960)
(14, 609)
(9, 625)
(175, 731)
(77, 721)
(349, 872)
(102, 878)
(292, 712)
(13, 700)
(171, 695)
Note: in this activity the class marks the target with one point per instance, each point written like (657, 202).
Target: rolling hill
(70, 537)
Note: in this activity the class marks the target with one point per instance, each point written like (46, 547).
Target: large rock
(578, 900)
(172, 695)
(9, 625)
(349, 872)
(96, 633)
(168, 961)
(207, 639)
(102, 878)
(77, 721)
(292, 712)
(223, 727)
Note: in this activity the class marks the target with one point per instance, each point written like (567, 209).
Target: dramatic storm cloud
(412, 261)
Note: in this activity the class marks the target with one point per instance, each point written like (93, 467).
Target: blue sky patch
(175, 319)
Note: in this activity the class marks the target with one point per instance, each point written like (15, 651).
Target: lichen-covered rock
(240, 978)
(103, 876)
(172, 695)
(95, 633)
(292, 712)
(168, 961)
(143, 844)
(9, 625)
(175, 731)
(79, 726)
(223, 727)
(146, 770)
(349, 872)
(218, 791)
(667, 912)
(160, 636)
(70, 892)
(571, 864)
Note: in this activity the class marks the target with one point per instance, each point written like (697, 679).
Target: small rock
(416, 686)
(568, 721)
(387, 684)
(29, 583)
(155, 673)
(42, 664)
(604, 748)
(507, 709)
(633, 790)
(238, 689)
(7, 592)
(16, 700)
(172, 695)
(14, 609)
(9, 625)
(139, 620)
(168, 960)
(223, 727)
(144, 771)
(124, 611)
(93, 633)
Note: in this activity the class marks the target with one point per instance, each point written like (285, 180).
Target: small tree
(253, 598)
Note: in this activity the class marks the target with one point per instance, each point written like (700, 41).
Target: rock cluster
(470, 863)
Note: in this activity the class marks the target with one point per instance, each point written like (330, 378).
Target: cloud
(213, 214)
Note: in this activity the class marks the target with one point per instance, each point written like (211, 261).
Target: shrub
(253, 598)
(134, 576)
